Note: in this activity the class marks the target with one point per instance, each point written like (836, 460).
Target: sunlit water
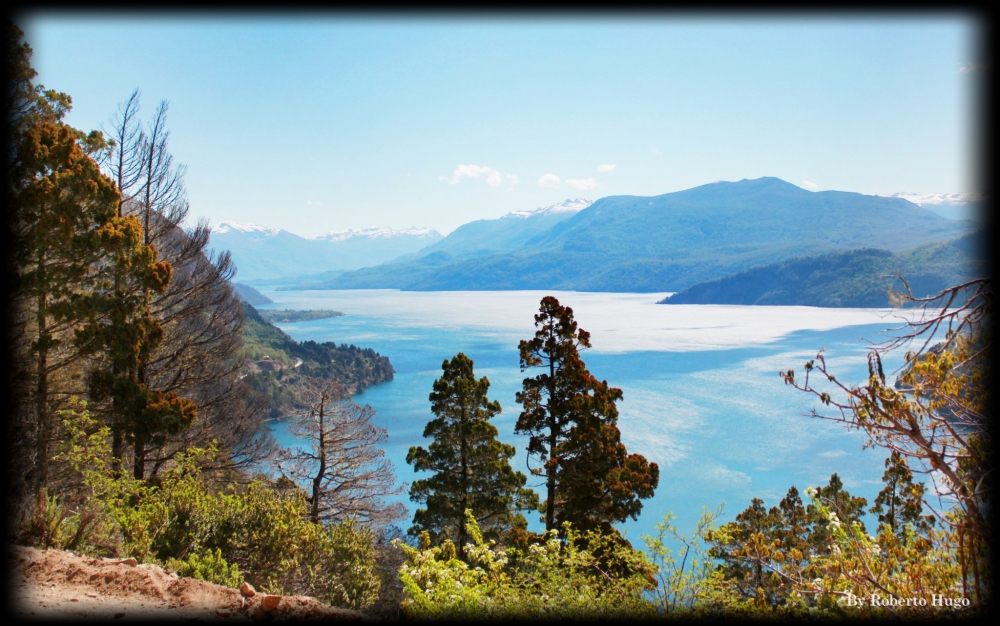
(702, 393)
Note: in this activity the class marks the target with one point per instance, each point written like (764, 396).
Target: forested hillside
(281, 365)
(858, 278)
(250, 295)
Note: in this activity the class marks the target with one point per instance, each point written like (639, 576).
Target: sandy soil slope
(56, 584)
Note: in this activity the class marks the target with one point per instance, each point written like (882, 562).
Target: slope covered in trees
(250, 295)
(282, 365)
(858, 278)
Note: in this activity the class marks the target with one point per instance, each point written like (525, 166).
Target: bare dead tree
(342, 463)
(201, 355)
(126, 138)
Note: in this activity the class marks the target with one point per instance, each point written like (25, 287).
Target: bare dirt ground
(53, 584)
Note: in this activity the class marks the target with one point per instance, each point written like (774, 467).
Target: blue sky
(319, 122)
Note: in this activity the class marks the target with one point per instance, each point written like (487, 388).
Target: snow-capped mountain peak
(375, 233)
(242, 227)
(936, 199)
(569, 205)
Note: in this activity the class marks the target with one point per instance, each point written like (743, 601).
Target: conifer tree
(61, 197)
(571, 418)
(471, 467)
(786, 528)
(901, 501)
(121, 332)
(58, 199)
(848, 509)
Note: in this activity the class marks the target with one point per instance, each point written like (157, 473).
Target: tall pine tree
(121, 332)
(471, 467)
(58, 198)
(901, 501)
(571, 418)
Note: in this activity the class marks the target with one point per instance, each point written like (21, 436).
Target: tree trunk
(317, 482)
(117, 445)
(42, 417)
(139, 459)
(462, 531)
(550, 505)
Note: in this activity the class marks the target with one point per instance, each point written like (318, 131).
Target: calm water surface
(702, 394)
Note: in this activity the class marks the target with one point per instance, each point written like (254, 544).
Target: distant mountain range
(475, 239)
(955, 206)
(659, 243)
(263, 253)
(856, 278)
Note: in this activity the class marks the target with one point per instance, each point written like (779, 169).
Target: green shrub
(558, 579)
(211, 567)
(259, 532)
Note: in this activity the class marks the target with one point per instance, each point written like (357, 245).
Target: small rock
(247, 589)
(129, 561)
(91, 595)
(269, 603)
(74, 599)
(120, 615)
(223, 612)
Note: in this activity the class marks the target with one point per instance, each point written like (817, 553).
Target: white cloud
(832, 454)
(492, 177)
(582, 183)
(971, 68)
(725, 475)
(548, 180)
(312, 203)
(606, 167)
(808, 184)
(657, 151)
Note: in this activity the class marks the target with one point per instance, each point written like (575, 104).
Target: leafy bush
(259, 532)
(555, 579)
(211, 567)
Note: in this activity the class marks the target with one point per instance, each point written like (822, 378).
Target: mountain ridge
(668, 242)
(262, 253)
(854, 278)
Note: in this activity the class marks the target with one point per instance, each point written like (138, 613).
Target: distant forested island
(856, 278)
(288, 316)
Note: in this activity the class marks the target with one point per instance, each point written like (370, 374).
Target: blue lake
(702, 393)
